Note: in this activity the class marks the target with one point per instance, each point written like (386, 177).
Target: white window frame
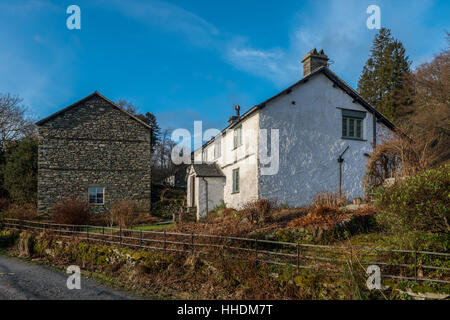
(96, 190)
(236, 181)
(218, 148)
(237, 137)
(204, 155)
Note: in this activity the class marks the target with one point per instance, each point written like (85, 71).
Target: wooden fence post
(298, 257)
(120, 235)
(165, 242)
(192, 242)
(415, 264)
(256, 250)
(140, 238)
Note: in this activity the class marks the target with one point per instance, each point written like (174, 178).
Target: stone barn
(94, 150)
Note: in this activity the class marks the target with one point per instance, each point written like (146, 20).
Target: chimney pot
(237, 108)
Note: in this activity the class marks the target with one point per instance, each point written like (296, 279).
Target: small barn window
(204, 156)
(236, 180)
(352, 124)
(96, 195)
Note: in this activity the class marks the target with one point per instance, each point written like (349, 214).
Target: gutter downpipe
(340, 160)
(374, 116)
(206, 194)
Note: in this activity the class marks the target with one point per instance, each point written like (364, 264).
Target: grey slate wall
(93, 144)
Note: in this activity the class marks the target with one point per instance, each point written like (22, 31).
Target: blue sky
(193, 60)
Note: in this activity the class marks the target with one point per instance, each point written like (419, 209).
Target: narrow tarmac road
(21, 280)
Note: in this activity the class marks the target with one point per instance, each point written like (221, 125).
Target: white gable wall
(310, 144)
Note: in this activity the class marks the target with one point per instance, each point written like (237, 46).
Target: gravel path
(21, 280)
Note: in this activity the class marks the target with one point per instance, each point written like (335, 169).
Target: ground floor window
(236, 180)
(96, 195)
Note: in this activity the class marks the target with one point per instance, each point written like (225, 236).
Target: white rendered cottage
(325, 132)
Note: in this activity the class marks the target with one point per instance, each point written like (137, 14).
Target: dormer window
(353, 124)
(204, 156)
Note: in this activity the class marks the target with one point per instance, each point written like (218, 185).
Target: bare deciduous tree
(13, 122)
(430, 111)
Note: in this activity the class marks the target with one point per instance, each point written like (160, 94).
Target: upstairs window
(352, 124)
(96, 195)
(204, 156)
(236, 180)
(237, 137)
(217, 148)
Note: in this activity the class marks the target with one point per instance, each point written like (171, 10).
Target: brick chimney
(236, 117)
(314, 60)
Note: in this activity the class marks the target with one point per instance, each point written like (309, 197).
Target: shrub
(258, 211)
(124, 213)
(71, 211)
(327, 199)
(4, 204)
(25, 211)
(420, 202)
(8, 238)
(398, 157)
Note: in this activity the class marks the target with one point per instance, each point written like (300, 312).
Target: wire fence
(412, 265)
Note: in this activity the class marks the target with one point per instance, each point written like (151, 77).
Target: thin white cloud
(270, 64)
(339, 27)
(168, 16)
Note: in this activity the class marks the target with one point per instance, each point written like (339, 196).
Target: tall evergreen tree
(20, 169)
(383, 79)
(150, 119)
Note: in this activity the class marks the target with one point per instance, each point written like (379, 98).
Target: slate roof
(95, 93)
(207, 170)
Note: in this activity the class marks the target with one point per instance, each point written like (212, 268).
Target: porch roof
(207, 170)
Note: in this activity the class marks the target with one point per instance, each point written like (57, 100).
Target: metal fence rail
(297, 255)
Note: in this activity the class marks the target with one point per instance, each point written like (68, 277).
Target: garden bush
(24, 211)
(4, 204)
(258, 211)
(327, 199)
(71, 211)
(420, 202)
(124, 214)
